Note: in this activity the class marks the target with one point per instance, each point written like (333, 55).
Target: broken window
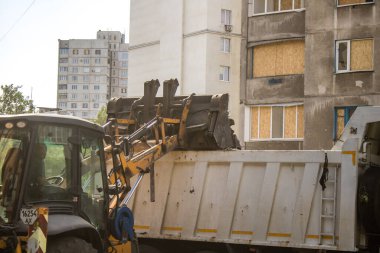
(341, 117)
(354, 55)
(352, 2)
(272, 6)
(276, 59)
(276, 122)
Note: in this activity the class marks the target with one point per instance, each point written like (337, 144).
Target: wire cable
(18, 20)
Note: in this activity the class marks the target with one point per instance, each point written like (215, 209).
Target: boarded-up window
(281, 58)
(354, 55)
(277, 122)
(347, 2)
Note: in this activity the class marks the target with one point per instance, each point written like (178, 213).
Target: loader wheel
(69, 244)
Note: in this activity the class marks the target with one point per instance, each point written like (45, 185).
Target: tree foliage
(12, 101)
(102, 116)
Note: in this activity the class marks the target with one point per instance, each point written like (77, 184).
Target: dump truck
(267, 201)
(66, 182)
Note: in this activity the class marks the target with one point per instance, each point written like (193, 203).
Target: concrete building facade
(307, 66)
(90, 72)
(198, 42)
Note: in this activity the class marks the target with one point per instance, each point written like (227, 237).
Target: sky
(29, 33)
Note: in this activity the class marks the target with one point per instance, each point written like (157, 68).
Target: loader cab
(54, 162)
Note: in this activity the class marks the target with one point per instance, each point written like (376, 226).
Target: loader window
(50, 168)
(92, 192)
(13, 143)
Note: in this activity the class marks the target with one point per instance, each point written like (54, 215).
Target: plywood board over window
(346, 2)
(290, 122)
(280, 58)
(254, 122)
(265, 117)
(362, 54)
(300, 123)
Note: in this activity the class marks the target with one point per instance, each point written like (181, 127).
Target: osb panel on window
(286, 5)
(297, 4)
(290, 58)
(254, 122)
(264, 60)
(290, 122)
(362, 54)
(339, 124)
(265, 115)
(300, 124)
(344, 2)
(281, 58)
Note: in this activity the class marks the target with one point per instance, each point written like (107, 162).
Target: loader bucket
(208, 126)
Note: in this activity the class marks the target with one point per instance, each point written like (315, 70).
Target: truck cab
(55, 162)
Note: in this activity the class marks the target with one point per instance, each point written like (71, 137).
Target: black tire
(69, 244)
(144, 248)
(369, 200)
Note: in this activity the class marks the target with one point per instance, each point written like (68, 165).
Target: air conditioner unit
(228, 28)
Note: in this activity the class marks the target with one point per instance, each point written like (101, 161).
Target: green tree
(12, 101)
(102, 116)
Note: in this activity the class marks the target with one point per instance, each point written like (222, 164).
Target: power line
(18, 20)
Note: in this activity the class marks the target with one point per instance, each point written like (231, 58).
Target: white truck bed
(252, 197)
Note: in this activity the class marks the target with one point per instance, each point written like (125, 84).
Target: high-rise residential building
(198, 42)
(307, 66)
(90, 72)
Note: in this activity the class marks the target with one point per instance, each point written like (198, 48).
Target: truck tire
(369, 200)
(69, 244)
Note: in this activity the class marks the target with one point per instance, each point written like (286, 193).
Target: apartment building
(198, 42)
(90, 72)
(307, 66)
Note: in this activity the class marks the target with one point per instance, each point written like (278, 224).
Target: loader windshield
(14, 139)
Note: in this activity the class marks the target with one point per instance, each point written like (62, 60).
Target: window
(84, 114)
(62, 105)
(74, 69)
(74, 60)
(124, 64)
(74, 78)
(85, 87)
(352, 2)
(87, 51)
(97, 61)
(62, 78)
(96, 105)
(97, 79)
(63, 51)
(74, 96)
(225, 45)
(224, 74)
(341, 117)
(123, 81)
(276, 59)
(272, 6)
(63, 69)
(123, 90)
(86, 61)
(226, 17)
(354, 55)
(73, 105)
(85, 96)
(97, 70)
(124, 56)
(62, 87)
(75, 51)
(62, 96)
(85, 105)
(96, 87)
(96, 97)
(124, 73)
(63, 60)
(86, 78)
(86, 69)
(74, 86)
(276, 122)
(97, 51)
